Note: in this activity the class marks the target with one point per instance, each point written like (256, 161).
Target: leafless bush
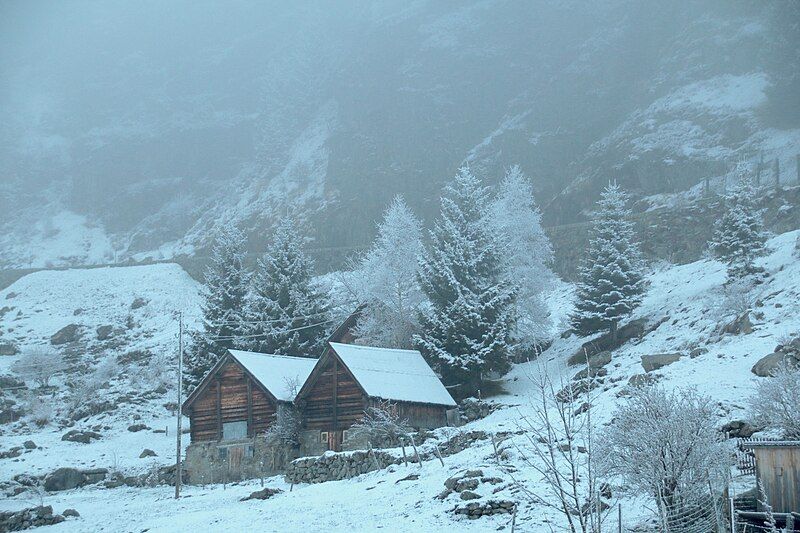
(667, 445)
(559, 445)
(38, 364)
(40, 410)
(381, 425)
(105, 371)
(286, 429)
(738, 297)
(776, 400)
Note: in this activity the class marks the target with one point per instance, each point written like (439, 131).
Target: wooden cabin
(778, 472)
(239, 397)
(350, 378)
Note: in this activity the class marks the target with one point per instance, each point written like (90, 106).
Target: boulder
(137, 427)
(8, 382)
(69, 333)
(70, 512)
(64, 479)
(29, 445)
(84, 437)
(147, 453)
(653, 362)
(767, 365)
(642, 380)
(262, 494)
(590, 372)
(576, 389)
(104, 332)
(138, 302)
(608, 342)
(739, 429)
(8, 348)
(740, 325)
(469, 495)
(95, 475)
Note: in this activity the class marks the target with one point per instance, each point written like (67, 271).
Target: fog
(139, 126)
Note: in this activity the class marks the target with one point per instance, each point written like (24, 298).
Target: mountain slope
(142, 129)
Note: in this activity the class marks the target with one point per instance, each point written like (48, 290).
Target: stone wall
(222, 462)
(335, 466)
(28, 518)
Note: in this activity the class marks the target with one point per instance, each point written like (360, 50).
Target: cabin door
(335, 441)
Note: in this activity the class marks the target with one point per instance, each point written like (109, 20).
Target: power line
(255, 336)
(272, 321)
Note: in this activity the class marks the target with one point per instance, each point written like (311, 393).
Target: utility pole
(178, 464)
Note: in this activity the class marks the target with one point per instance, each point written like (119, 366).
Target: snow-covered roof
(399, 375)
(282, 375)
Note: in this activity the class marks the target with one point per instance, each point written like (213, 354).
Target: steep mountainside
(133, 131)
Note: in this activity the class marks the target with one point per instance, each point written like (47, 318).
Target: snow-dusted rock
(768, 364)
(653, 362)
(69, 333)
(64, 479)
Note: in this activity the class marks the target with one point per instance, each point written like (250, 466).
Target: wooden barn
(239, 398)
(350, 378)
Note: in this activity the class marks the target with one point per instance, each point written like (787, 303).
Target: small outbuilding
(778, 473)
(350, 378)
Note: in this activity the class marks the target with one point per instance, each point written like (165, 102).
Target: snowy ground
(688, 296)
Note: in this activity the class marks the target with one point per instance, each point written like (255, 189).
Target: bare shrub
(776, 400)
(560, 446)
(38, 364)
(381, 425)
(40, 410)
(738, 297)
(106, 370)
(667, 445)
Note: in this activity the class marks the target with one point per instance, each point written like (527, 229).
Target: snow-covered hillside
(121, 321)
(685, 308)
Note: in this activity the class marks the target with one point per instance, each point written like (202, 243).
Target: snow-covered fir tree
(467, 325)
(225, 290)
(385, 279)
(739, 235)
(526, 255)
(286, 314)
(611, 276)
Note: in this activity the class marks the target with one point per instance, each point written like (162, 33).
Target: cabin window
(234, 430)
(323, 436)
(345, 435)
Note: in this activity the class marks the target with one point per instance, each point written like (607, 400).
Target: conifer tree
(739, 235)
(610, 277)
(286, 314)
(526, 255)
(467, 324)
(385, 279)
(224, 293)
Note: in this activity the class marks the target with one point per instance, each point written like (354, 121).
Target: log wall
(420, 415)
(231, 396)
(335, 401)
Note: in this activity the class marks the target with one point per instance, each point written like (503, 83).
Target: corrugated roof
(399, 375)
(768, 443)
(282, 375)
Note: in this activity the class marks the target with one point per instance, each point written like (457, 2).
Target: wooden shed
(778, 472)
(350, 378)
(239, 397)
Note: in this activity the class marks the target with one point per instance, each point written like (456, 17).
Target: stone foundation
(226, 461)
